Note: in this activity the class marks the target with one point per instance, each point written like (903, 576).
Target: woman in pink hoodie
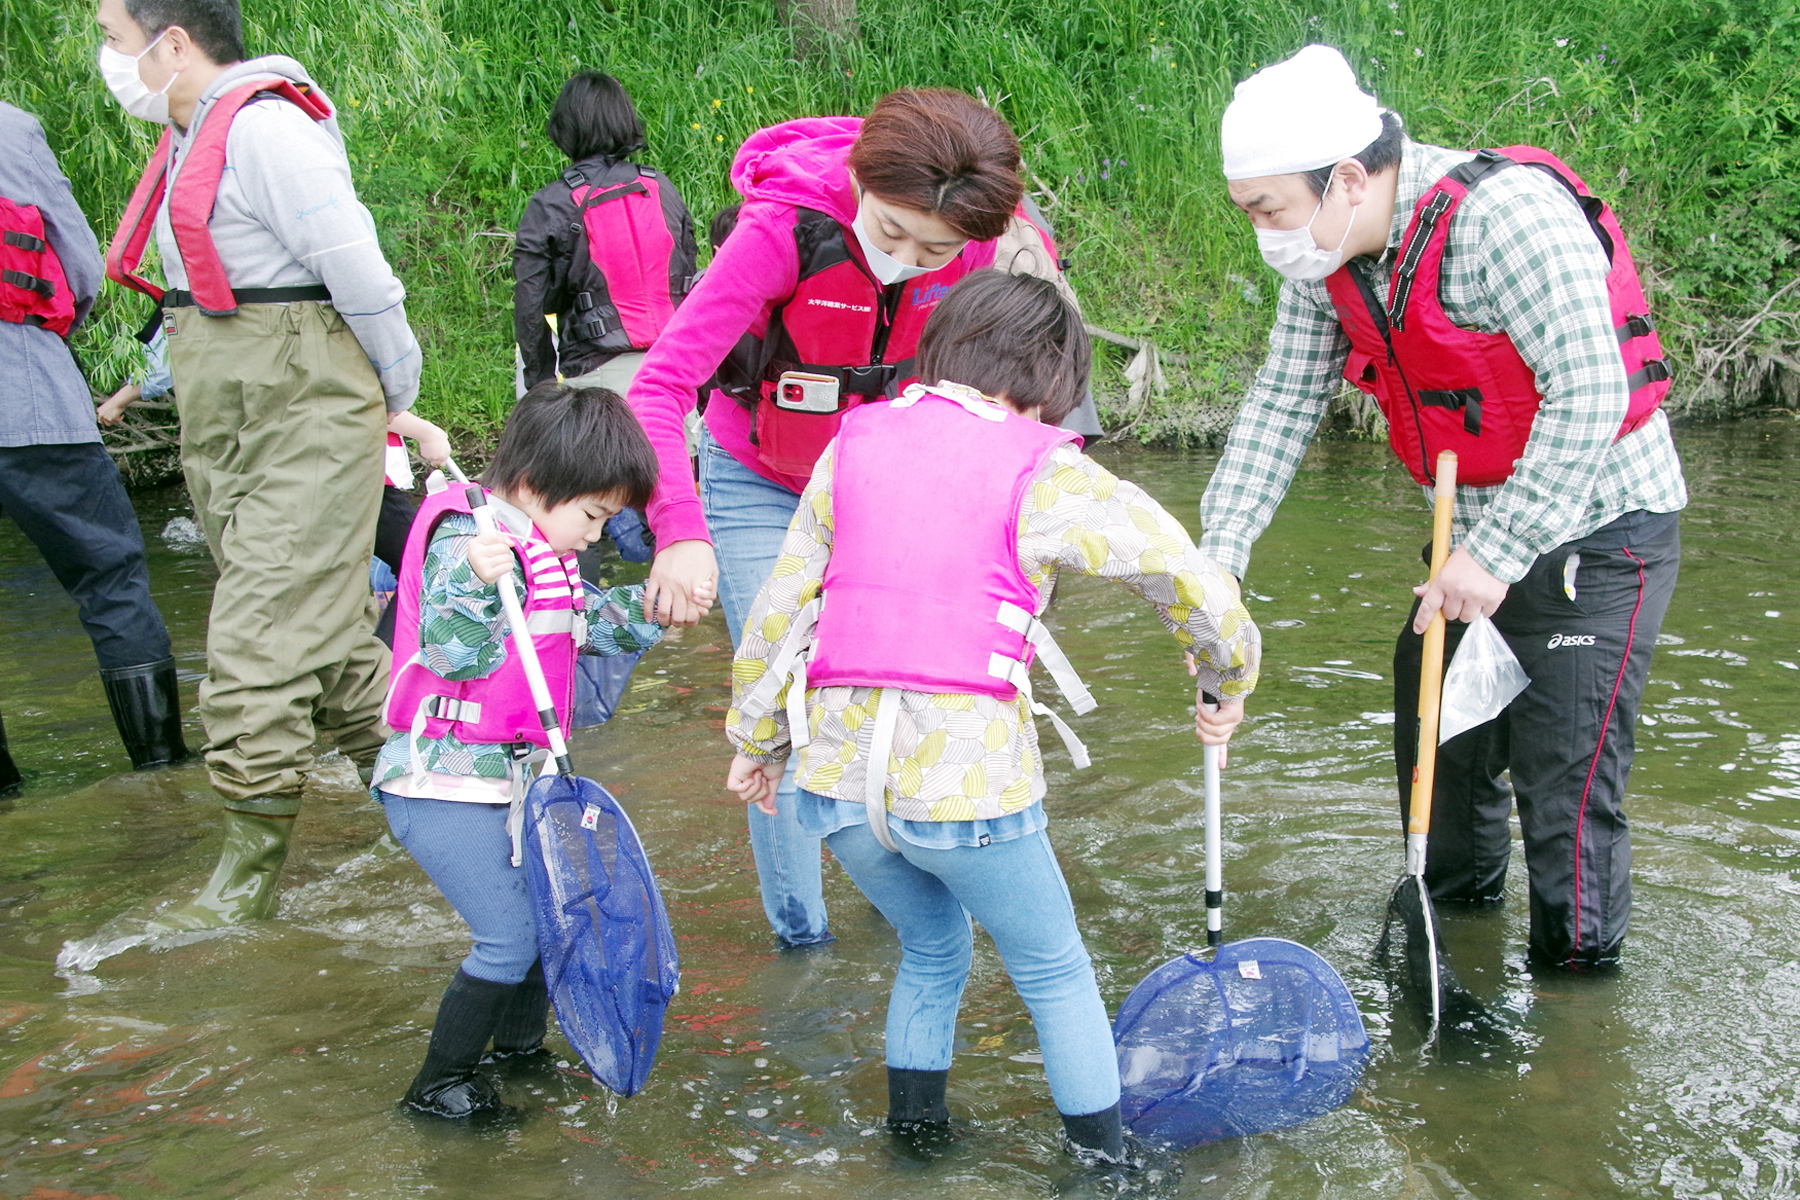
(850, 233)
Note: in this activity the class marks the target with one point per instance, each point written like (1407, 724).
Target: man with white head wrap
(1566, 535)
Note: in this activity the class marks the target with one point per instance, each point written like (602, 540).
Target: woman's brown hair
(938, 151)
(1009, 335)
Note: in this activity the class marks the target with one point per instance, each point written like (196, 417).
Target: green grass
(1681, 112)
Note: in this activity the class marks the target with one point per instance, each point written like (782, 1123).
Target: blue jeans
(1016, 891)
(465, 850)
(748, 516)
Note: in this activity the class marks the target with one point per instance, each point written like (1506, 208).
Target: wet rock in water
(181, 533)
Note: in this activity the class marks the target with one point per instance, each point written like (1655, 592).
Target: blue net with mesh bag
(1263, 1036)
(603, 933)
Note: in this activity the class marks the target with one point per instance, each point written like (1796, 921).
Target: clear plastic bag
(1484, 677)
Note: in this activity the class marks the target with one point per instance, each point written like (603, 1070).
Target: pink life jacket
(1443, 387)
(630, 267)
(496, 709)
(912, 600)
(190, 208)
(33, 289)
(839, 322)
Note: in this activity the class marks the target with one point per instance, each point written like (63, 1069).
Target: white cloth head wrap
(1297, 115)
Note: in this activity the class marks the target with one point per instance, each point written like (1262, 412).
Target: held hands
(490, 557)
(1463, 590)
(755, 782)
(683, 582)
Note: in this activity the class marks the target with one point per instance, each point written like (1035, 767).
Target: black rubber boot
(1096, 1137)
(918, 1117)
(10, 779)
(519, 1036)
(146, 706)
(448, 1084)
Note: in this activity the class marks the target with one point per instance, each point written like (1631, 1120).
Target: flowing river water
(266, 1061)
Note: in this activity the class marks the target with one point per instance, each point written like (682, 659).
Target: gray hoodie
(287, 215)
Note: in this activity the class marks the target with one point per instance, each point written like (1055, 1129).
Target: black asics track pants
(1567, 739)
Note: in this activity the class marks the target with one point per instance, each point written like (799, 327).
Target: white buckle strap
(799, 727)
(881, 745)
(799, 637)
(1017, 674)
(1035, 632)
(445, 708)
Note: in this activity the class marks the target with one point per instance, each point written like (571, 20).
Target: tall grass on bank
(1681, 112)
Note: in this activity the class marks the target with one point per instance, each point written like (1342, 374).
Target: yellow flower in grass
(716, 102)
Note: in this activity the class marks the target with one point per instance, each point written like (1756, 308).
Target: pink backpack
(631, 263)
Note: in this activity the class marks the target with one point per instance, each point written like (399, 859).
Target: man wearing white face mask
(290, 350)
(1490, 305)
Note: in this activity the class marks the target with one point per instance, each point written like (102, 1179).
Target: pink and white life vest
(497, 709)
(924, 591)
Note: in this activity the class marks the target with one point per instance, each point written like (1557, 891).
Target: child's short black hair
(594, 116)
(1011, 335)
(564, 443)
(723, 222)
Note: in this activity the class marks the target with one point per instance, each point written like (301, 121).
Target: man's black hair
(564, 443)
(593, 116)
(1011, 335)
(723, 222)
(1377, 156)
(213, 24)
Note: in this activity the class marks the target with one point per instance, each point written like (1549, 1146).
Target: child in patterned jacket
(452, 776)
(892, 647)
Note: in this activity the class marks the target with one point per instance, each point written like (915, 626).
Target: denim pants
(465, 849)
(748, 516)
(1016, 890)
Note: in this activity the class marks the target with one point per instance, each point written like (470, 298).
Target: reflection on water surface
(266, 1061)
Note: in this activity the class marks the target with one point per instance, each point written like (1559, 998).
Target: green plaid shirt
(1520, 258)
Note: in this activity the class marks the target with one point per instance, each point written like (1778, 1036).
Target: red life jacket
(33, 289)
(1442, 387)
(630, 267)
(839, 322)
(190, 208)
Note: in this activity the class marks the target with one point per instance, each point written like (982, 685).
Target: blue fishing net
(609, 956)
(1263, 1036)
(600, 681)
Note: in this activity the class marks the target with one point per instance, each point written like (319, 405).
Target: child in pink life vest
(892, 647)
(467, 733)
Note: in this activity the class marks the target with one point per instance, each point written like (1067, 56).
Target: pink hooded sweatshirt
(798, 164)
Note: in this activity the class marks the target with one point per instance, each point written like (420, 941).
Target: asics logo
(1569, 639)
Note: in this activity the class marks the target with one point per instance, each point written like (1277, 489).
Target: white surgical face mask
(1294, 254)
(884, 266)
(120, 71)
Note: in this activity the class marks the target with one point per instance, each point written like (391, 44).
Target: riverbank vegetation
(1682, 113)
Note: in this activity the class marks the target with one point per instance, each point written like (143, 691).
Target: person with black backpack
(608, 249)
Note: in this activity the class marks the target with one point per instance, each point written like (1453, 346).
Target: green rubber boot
(243, 885)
